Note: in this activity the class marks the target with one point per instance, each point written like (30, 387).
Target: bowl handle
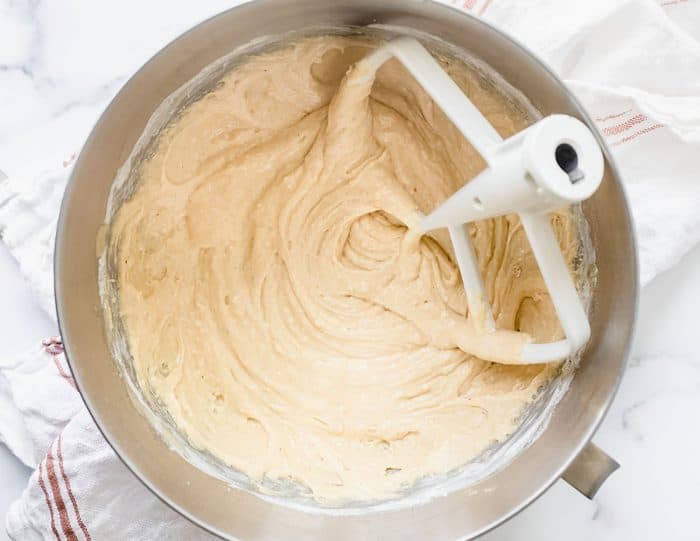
(589, 470)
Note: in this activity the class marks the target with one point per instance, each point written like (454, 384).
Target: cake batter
(280, 301)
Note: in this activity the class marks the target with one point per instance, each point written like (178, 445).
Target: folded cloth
(635, 68)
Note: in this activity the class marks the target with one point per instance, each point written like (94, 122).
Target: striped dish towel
(635, 64)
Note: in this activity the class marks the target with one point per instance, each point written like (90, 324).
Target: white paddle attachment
(551, 164)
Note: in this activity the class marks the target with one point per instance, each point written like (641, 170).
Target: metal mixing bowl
(562, 447)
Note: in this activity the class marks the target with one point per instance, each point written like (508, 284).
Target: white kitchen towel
(635, 64)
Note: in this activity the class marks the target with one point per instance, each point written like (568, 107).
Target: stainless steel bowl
(234, 513)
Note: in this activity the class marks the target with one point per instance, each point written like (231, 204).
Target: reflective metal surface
(590, 470)
(238, 514)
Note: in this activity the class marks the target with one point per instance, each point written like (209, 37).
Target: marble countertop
(61, 62)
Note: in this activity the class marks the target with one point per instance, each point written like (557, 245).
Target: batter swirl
(281, 302)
